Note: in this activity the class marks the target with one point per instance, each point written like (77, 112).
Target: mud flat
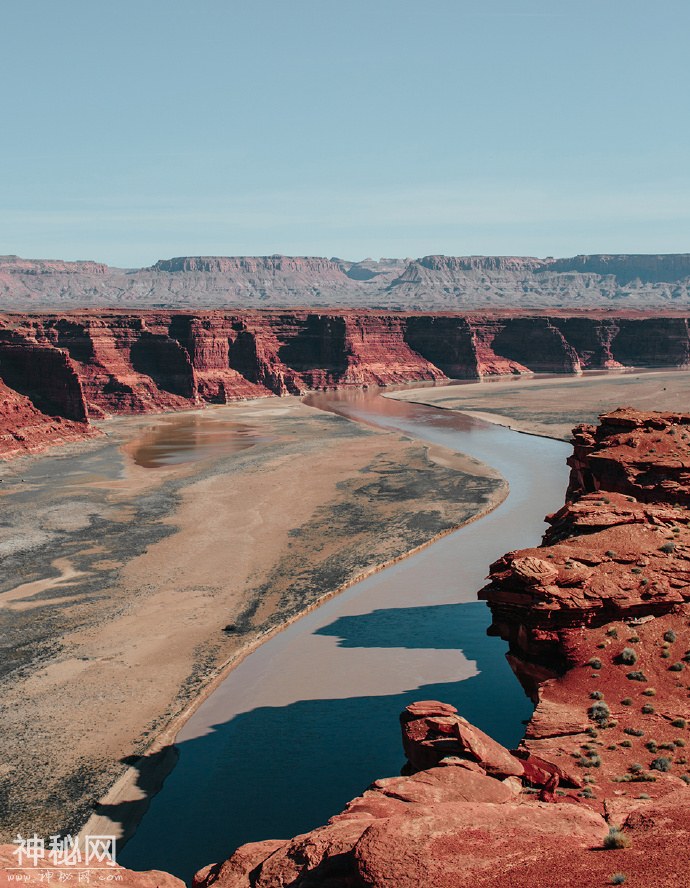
(551, 406)
(137, 567)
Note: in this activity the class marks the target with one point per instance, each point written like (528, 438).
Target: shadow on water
(274, 772)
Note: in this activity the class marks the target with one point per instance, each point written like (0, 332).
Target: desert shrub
(610, 553)
(634, 639)
(627, 701)
(634, 732)
(670, 746)
(679, 742)
(636, 676)
(599, 712)
(596, 695)
(662, 763)
(667, 548)
(636, 768)
(670, 636)
(595, 663)
(636, 570)
(676, 667)
(649, 692)
(648, 709)
(665, 655)
(612, 632)
(651, 745)
(626, 743)
(615, 839)
(592, 732)
(685, 778)
(618, 879)
(678, 723)
(627, 656)
(612, 747)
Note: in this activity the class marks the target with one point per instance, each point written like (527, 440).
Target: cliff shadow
(278, 771)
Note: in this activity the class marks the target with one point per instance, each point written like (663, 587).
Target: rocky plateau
(429, 283)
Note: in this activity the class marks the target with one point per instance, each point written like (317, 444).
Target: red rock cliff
(84, 364)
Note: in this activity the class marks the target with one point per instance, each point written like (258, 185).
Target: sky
(143, 129)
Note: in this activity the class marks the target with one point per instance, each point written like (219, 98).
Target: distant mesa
(430, 283)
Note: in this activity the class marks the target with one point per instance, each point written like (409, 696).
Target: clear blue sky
(134, 130)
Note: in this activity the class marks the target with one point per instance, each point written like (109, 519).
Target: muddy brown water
(309, 719)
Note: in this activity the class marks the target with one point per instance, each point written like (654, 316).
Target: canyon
(597, 622)
(596, 619)
(61, 371)
(430, 283)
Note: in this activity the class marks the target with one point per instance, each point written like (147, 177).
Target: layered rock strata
(67, 369)
(430, 283)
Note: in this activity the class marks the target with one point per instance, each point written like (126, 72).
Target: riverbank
(552, 406)
(138, 569)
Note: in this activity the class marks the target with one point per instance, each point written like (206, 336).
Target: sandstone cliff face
(86, 365)
(430, 283)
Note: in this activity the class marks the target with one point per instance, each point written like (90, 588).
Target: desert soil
(553, 406)
(138, 568)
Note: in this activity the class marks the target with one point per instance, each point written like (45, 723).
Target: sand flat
(552, 406)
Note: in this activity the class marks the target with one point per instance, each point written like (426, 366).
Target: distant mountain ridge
(430, 283)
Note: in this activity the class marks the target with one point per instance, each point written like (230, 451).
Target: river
(309, 719)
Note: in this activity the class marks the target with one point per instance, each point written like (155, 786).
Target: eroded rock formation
(66, 369)
(430, 283)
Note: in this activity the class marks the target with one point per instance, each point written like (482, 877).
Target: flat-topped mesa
(619, 549)
(252, 265)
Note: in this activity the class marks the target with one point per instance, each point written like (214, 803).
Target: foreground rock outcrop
(60, 371)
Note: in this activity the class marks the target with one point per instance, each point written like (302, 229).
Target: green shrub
(678, 723)
(663, 763)
(627, 656)
(615, 839)
(651, 745)
(627, 701)
(626, 743)
(676, 667)
(595, 663)
(596, 695)
(648, 709)
(670, 636)
(634, 732)
(636, 676)
(649, 692)
(667, 548)
(612, 632)
(599, 712)
(618, 879)
(685, 778)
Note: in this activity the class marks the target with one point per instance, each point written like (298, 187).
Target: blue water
(309, 719)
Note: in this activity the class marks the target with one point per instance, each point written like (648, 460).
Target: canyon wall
(430, 283)
(59, 371)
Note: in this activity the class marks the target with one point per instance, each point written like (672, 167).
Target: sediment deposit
(60, 371)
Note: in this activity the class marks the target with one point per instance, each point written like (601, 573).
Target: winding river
(309, 719)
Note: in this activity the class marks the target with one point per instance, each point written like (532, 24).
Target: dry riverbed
(553, 406)
(135, 569)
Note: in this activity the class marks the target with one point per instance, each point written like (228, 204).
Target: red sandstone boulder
(432, 731)
(118, 875)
